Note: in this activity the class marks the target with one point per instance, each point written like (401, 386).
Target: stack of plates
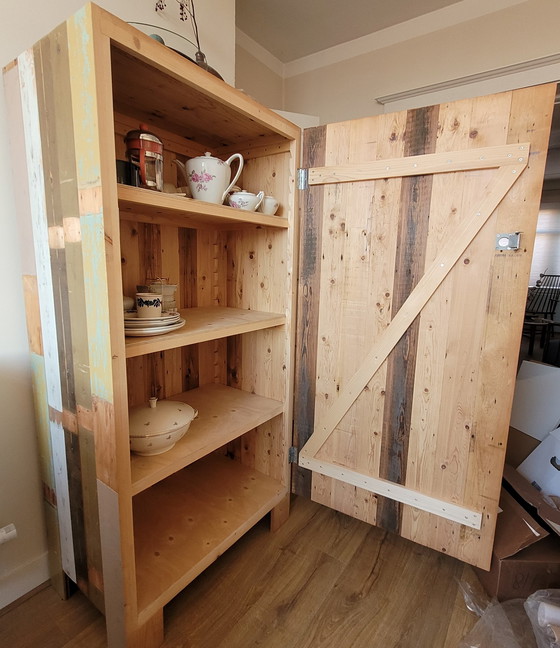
(143, 326)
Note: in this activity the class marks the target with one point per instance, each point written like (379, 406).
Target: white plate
(153, 330)
(140, 323)
(132, 316)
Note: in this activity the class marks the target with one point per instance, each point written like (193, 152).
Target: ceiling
(291, 29)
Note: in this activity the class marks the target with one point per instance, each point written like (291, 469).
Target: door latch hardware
(508, 241)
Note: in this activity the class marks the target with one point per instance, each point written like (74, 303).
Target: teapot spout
(183, 169)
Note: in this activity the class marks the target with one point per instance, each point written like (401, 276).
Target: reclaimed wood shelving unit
(133, 531)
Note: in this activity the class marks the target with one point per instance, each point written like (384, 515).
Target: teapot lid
(206, 156)
(159, 418)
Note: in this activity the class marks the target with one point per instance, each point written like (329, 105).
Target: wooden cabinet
(409, 315)
(135, 530)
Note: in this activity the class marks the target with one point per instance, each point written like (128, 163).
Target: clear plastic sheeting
(501, 625)
(543, 610)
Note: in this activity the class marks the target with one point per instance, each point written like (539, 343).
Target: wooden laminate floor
(323, 580)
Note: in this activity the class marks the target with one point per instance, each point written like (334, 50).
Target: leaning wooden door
(417, 235)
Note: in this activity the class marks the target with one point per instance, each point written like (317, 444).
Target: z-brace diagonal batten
(510, 160)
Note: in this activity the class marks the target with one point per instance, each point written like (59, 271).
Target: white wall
(23, 562)
(469, 37)
(258, 80)
(348, 89)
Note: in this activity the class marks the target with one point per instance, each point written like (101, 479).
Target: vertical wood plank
(111, 438)
(530, 119)
(36, 180)
(308, 304)
(14, 105)
(150, 252)
(260, 276)
(356, 294)
(211, 260)
(186, 293)
(420, 138)
(130, 257)
(449, 371)
(65, 239)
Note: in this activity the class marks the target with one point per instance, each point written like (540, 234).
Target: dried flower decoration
(186, 11)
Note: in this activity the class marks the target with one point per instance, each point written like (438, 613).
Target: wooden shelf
(188, 100)
(224, 414)
(148, 206)
(203, 324)
(182, 524)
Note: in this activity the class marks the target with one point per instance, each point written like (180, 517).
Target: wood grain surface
(418, 333)
(323, 580)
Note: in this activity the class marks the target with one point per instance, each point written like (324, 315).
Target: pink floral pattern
(239, 203)
(201, 179)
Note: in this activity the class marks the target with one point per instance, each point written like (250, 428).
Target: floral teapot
(209, 178)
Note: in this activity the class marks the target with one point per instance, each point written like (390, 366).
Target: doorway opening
(541, 333)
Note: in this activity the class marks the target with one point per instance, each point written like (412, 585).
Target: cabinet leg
(149, 634)
(280, 513)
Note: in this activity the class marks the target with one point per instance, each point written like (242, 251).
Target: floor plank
(322, 580)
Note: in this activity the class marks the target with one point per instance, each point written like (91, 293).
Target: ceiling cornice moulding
(259, 52)
(422, 25)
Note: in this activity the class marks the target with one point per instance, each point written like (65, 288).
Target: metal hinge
(302, 179)
(293, 455)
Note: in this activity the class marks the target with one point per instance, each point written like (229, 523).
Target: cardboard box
(526, 556)
(542, 468)
(536, 401)
(519, 446)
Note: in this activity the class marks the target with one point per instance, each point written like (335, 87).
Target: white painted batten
(396, 492)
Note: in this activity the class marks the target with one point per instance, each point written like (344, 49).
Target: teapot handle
(182, 168)
(260, 196)
(239, 158)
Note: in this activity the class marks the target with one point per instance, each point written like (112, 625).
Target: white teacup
(246, 200)
(148, 305)
(269, 205)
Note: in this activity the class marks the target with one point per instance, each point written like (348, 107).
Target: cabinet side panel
(49, 391)
(33, 316)
(211, 271)
(271, 174)
(259, 276)
(66, 239)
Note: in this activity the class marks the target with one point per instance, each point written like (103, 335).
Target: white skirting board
(22, 580)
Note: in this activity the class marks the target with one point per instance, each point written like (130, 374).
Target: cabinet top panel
(161, 88)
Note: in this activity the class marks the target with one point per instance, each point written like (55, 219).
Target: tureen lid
(159, 417)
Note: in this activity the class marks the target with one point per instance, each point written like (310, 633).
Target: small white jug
(269, 205)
